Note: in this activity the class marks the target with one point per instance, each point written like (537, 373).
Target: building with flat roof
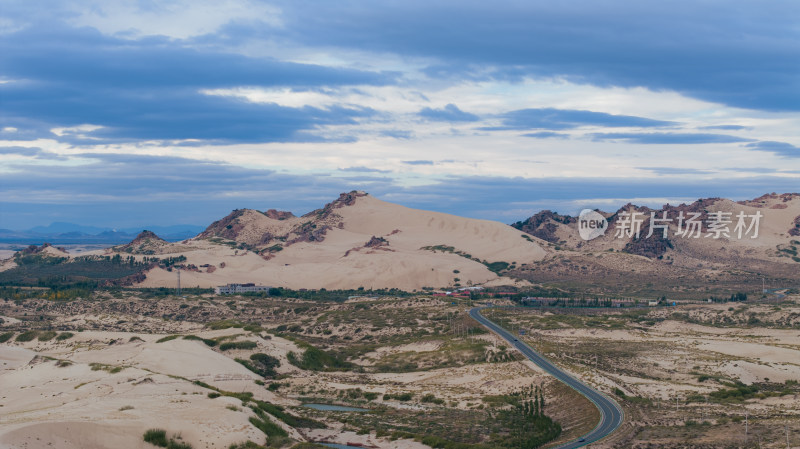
(231, 289)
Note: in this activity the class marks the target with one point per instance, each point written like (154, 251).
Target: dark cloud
(449, 113)
(33, 152)
(397, 134)
(667, 138)
(420, 162)
(743, 54)
(561, 119)
(546, 135)
(725, 127)
(779, 148)
(362, 169)
(150, 89)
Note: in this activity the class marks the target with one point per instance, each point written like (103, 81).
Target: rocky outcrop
(769, 197)
(345, 199)
(544, 225)
(147, 242)
(308, 232)
(795, 231)
(33, 249)
(278, 214)
(227, 228)
(651, 247)
(376, 242)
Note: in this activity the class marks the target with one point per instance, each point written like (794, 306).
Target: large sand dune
(339, 258)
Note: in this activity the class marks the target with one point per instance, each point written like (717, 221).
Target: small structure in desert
(230, 289)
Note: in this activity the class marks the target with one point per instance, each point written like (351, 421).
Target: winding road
(610, 413)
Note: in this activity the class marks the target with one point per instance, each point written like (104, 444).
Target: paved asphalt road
(611, 413)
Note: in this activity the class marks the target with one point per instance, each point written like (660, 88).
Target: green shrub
(315, 359)
(278, 412)
(167, 338)
(27, 336)
(178, 445)
(238, 345)
(403, 397)
(248, 445)
(224, 324)
(64, 336)
(739, 392)
(6, 336)
(431, 399)
(261, 364)
(156, 437)
(46, 335)
(207, 341)
(269, 428)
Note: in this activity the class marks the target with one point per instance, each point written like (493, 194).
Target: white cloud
(176, 19)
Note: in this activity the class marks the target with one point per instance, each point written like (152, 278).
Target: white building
(231, 289)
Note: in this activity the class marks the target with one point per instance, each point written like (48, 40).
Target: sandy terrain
(341, 261)
(75, 406)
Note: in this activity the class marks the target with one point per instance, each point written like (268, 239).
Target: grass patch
(737, 392)
(431, 399)
(27, 336)
(64, 336)
(261, 364)
(158, 437)
(269, 428)
(167, 338)
(248, 445)
(46, 335)
(238, 345)
(402, 397)
(109, 368)
(207, 341)
(244, 396)
(315, 359)
(229, 323)
(6, 336)
(279, 412)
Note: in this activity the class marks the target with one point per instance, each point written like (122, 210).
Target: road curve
(610, 413)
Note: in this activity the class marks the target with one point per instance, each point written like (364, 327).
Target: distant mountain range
(62, 233)
(713, 246)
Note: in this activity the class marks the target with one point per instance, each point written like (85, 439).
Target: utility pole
(787, 435)
(745, 426)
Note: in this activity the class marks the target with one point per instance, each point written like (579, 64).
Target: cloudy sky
(127, 113)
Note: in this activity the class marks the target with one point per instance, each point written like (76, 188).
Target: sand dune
(75, 406)
(341, 260)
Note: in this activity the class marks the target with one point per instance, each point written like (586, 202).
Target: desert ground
(101, 371)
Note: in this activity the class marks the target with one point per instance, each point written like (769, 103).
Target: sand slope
(338, 257)
(74, 406)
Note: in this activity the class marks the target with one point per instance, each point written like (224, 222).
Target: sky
(129, 113)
